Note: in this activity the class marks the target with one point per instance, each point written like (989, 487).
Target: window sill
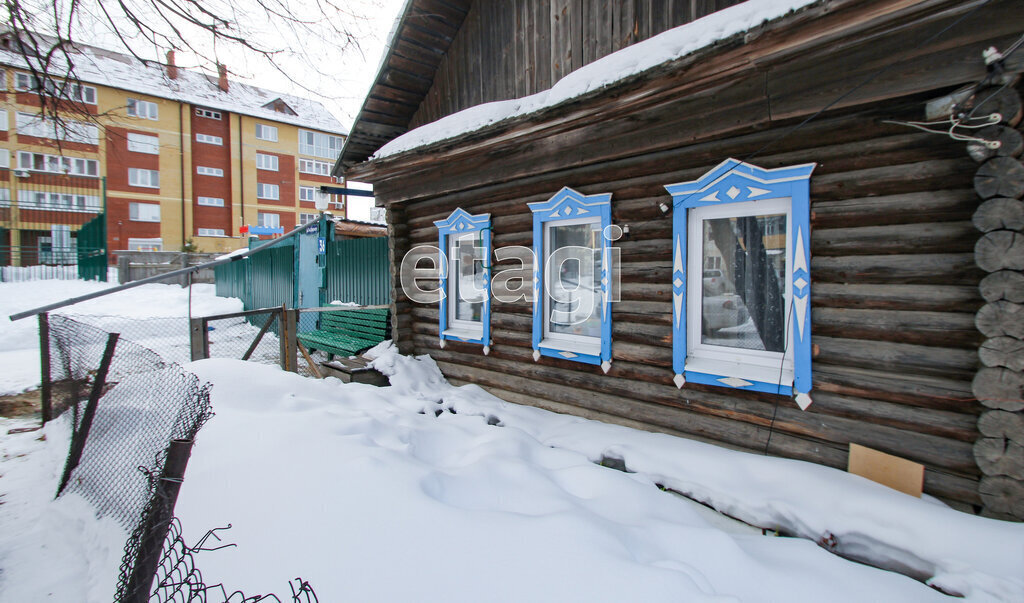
(742, 372)
(464, 333)
(585, 349)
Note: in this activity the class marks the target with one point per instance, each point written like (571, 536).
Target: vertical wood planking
(561, 41)
(542, 46)
(623, 24)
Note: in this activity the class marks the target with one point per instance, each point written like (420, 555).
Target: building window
(202, 170)
(307, 193)
(307, 218)
(268, 220)
(70, 130)
(143, 109)
(319, 145)
(59, 201)
(207, 113)
(210, 201)
(3, 120)
(572, 278)
(142, 143)
(3, 80)
(320, 168)
(144, 212)
(211, 232)
(57, 164)
(465, 313)
(267, 191)
(266, 162)
(24, 82)
(146, 178)
(745, 323)
(145, 244)
(5, 197)
(5, 158)
(209, 139)
(265, 132)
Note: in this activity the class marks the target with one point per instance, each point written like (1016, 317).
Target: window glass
(209, 171)
(266, 162)
(211, 201)
(267, 191)
(146, 178)
(144, 212)
(743, 302)
(265, 132)
(573, 259)
(208, 113)
(268, 220)
(318, 144)
(466, 280)
(209, 139)
(141, 108)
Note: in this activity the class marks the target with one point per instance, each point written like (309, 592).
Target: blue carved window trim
(459, 223)
(733, 181)
(564, 206)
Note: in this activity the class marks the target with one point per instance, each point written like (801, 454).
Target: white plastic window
(739, 311)
(144, 212)
(266, 162)
(203, 170)
(268, 220)
(211, 232)
(209, 139)
(144, 178)
(141, 143)
(265, 132)
(572, 281)
(210, 201)
(466, 286)
(267, 191)
(143, 109)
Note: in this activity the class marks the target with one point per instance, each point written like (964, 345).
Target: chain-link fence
(134, 417)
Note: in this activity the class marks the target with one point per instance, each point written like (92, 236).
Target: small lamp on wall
(321, 201)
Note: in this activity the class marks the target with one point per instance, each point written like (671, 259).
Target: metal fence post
(45, 391)
(158, 519)
(82, 433)
(292, 340)
(199, 338)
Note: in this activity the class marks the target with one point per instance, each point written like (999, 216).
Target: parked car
(721, 311)
(714, 282)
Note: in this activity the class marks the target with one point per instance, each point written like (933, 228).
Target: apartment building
(171, 156)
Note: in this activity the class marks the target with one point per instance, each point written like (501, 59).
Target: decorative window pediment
(572, 276)
(465, 314)
(741, 279)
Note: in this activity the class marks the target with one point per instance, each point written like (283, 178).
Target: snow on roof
(670, 45)
(95, 65)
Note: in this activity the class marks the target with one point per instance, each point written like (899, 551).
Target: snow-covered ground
(424, 491)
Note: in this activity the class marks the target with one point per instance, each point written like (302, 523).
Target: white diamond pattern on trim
(757, 192)
(677, 299)
(803, 401)
(536, 355)
(606, 366)
(735, 382)
(800, 261)
(677, 264)
(556, 213)
(712, 197)
(733, 192)
(567, 355)
(678, 282)
(680, 381)
(800, 308)
(800, 283)
(487, 350)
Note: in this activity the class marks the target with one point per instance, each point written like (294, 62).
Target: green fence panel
(358, 271)
(92, 249)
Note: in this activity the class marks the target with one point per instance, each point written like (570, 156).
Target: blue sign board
(265, 230)
(321, 245)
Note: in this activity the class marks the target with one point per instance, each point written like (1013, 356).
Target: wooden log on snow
(1001, 494)
(1002, 424)
(999, 388)
(999, 213)
(1001, 318)
(1003, 285)
(1011, 143)
(1000, 177)
(1007, 352)
(1000, 250)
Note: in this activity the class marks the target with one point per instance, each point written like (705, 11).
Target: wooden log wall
(513, 48)
(999, 384)
(894, 299)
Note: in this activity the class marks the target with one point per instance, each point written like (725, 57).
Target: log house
(900, 267)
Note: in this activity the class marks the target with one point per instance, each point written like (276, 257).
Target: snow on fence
(134, 417)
